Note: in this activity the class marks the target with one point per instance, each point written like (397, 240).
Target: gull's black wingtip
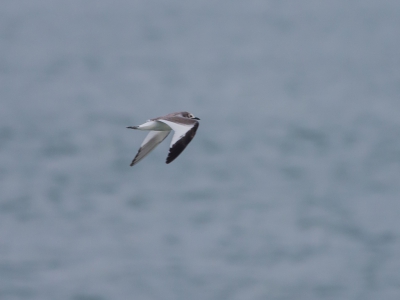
(181, 144)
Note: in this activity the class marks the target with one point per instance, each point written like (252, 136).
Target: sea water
(290, 189)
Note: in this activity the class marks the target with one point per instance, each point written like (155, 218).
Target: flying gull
(183, 123)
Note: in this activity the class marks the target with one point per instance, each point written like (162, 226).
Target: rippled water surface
(290, 189)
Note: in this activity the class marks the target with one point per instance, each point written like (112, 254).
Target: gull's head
(188, 115)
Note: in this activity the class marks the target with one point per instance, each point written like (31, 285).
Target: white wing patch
(179, 129)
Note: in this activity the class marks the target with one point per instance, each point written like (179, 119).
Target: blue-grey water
(290, 189)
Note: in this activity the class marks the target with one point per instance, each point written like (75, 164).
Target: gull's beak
(196, 118)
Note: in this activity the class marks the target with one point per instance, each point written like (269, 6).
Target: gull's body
(183, 123)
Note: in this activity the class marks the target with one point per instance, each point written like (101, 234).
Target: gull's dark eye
(191, 116)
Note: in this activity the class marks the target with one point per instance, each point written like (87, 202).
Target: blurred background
(290, 189)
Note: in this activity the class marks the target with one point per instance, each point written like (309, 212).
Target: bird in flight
(183, 123)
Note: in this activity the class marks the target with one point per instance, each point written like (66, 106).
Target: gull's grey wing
(150, 142)
(185, 130)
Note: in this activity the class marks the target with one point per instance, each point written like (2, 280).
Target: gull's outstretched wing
(185, 130)
(150, 142)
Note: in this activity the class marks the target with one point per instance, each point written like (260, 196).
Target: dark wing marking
(181, 143)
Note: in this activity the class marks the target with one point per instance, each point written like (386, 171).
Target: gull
(183, 123)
